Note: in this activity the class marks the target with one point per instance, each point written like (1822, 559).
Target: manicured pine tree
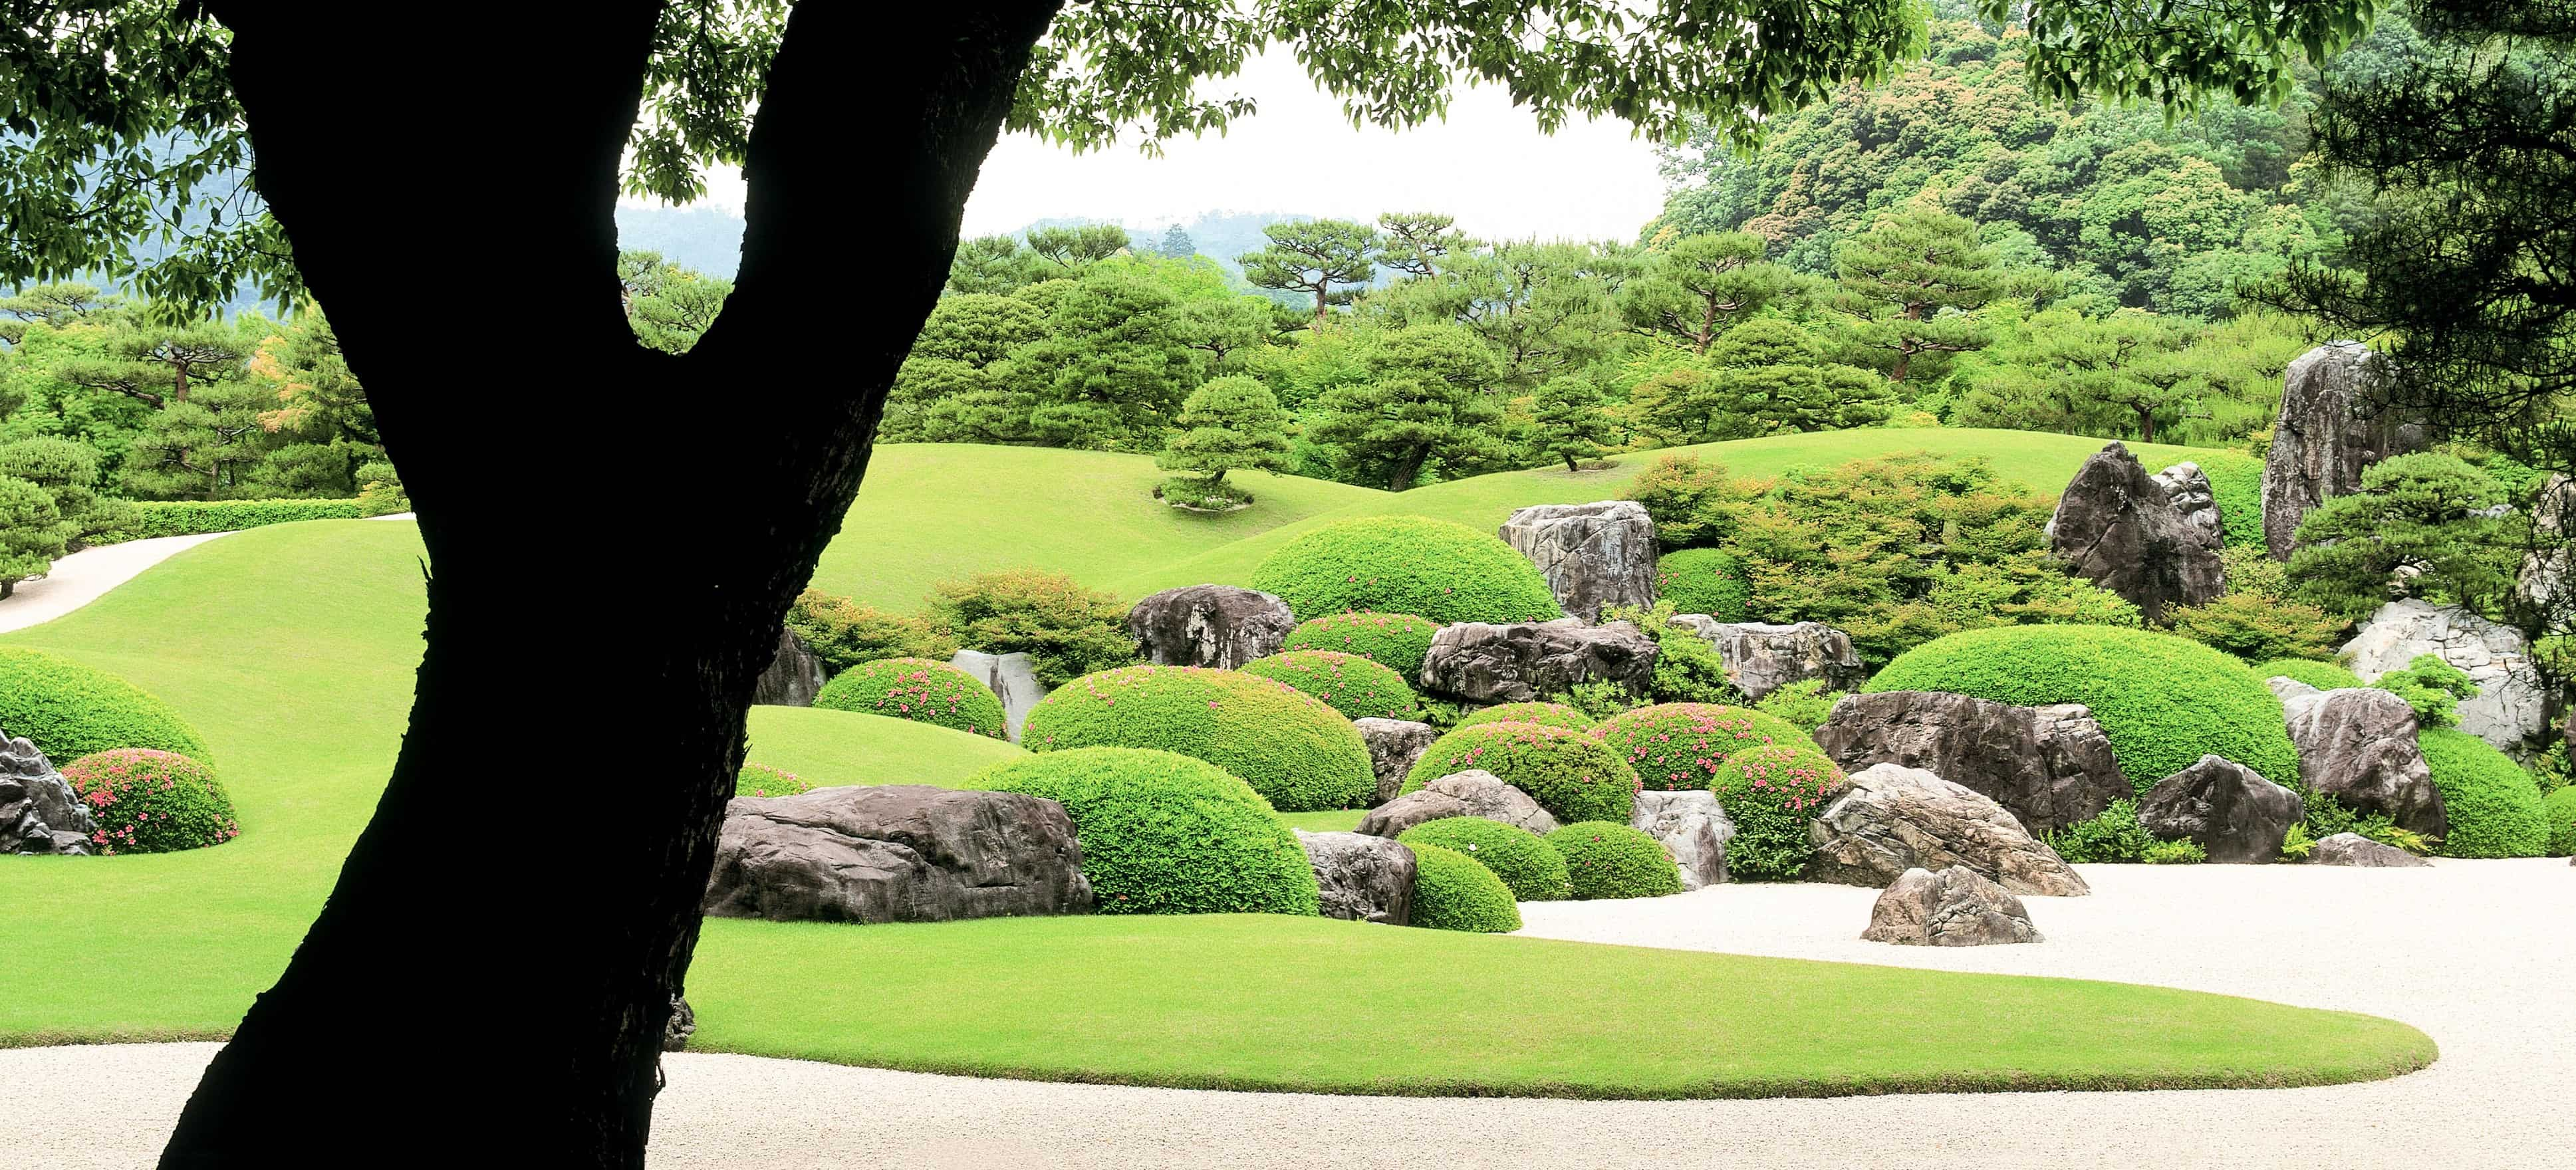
(31, 532)
(1571, 422)
(1899, 277)
(1702, 285)
(1232, 423)
(1327, 259)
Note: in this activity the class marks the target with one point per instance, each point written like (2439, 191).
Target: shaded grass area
(826, 747)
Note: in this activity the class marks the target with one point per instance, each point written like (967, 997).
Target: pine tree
(1232, 423)
(1327, 259)
(1701, 285)
(1177, 244)
(1915, 281)
(31, 532)
(1571, 422)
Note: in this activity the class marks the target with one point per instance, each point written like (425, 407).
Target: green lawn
(845, 747)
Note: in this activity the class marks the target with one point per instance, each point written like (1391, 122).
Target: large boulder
(2357, 745)
(2117, 527)
(682, 1025)
(1761, 658)
(1591, 554)
(1472, 793)
(1691, 827)
(793, 677)
(1361, 878)
(2188, 488)
(896, 853)
(1479, 662)
(1957, 907)
(2511, 706)
(1895, 818)
(2361, 852)
(2326, 436)
(1393, 745)
(1013, 678)
(2232, 812)
(1216, 626)
(39, 812)
(2049, 767)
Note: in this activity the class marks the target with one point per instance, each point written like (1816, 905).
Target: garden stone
(1591, 554)
(1393, 745)
(2357, 745)
(1761, 658)
(1011, 677)
(2117, 527)
(1472, 793)
(1361, 878)
(2228, 809)
(39, 812)
(2322, 441)
(2361, 852)
(1484, 663)
(1895, 818)
(682, 1025)
(1957, 907)
(1216, 626)
(2049, 767)
(896, 853)
(2510, 708)
(2187, 486)
(1691, 827)
(792, 678)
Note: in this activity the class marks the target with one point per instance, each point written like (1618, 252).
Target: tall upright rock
(2327, 434)
(794, 676)
(2119, 528)
(1591, 554)
(1216, 626)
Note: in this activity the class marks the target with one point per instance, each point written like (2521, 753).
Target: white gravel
(2481, 955)
(82, 577)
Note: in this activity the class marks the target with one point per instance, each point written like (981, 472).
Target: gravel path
(79, 579)
(2481, 955)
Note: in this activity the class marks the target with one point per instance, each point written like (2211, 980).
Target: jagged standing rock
(1013, 678)
(1478, 662)
(682, 1025)
(1893, 819)
(1761, 657)
(39, 812)
(2324, 438)
(1691, 827)
(2511, 706)
(2357, 745)
(1216, 626)
(2232, 813)
(2117, 527)
(1362, 878)
(2188, 488)
(1591, 554)
(1393, 744)
(2049, 767)
(1957, 907)
(793, 677)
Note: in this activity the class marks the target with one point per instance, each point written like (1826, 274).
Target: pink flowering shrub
(916, 689)
(1543, 714)
(1348, 683)
(1677, 746)
(1395, 641)
(149, 801)
(763, 780)
(1568, 773)
(1773, 793)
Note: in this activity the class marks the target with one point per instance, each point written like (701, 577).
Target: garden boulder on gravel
(2358, 745)
(2511, 706)
(1690, 826)
(2050, 766)
(2234, 815)
(1220, 626)
(1591, 554)
(1761, 657)
(39, 812)
(1479, 662)
(896, 853)
(1957, 907)
(1393, 744)
(1361, 878)
(1472, 793)
(2361, 852)
(1892, 819)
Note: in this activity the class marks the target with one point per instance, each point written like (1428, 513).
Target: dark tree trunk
(491, 974)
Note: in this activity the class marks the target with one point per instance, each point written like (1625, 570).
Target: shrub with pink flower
(1772, 793)
(917, 689)
(1395, 641)
(1677, 746)
(1347, 683)
(763, 780)
(149, 801)
(1543, 714)
(1569, 774)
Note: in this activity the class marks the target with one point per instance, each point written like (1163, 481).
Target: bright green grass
(1338, 820)
(826, 748)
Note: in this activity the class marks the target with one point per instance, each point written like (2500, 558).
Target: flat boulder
(1361, 878)
(2361, 852)
(2117, 527)
(1895, 818)
(1593, 555)
(896, 853)
(1393, 745)
(2049, 767)
(1956, 907)
(1216, 626)
(1762, 657)
(2511, 707)
(2226, 808)
(1519, 662)
(1013, 678)
(2324, 438)
(39, 812)
(1472, 793)
(2357, 745)
(1691, 827)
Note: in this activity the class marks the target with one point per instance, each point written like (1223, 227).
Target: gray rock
(897, 853)
(2511, 708)
(1483, 663)
(1472, 793)
(1591, 554)
(2361, 852)
(1217, 626)
(2049, 767)
(1393, 746)
(2187, 488)
(1692, 828)
(39, 812)
(1013, 678)
(793, 677)
(1761, 658)
(2232, 812)
(2326, 435)
(1362, 878)
(2357, 745)
(1895, 818)
(2117, 527)
(1957, 907)
(682, 1025)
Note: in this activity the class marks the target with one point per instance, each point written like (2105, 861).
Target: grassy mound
(917, 689)
(828, 748)
(1166, 834)
(1531, 870)
(1405, 564)
(1348, 683)
(2493, 804)
(1294, 750)
(1396, 641)
(70, 710)
(1569, 774)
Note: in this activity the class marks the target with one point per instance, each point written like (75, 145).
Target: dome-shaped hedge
(1348, 683)
(1167, 834)
(1569, 774)
(151, 801)
(2559, 809)
(1298, 753)
(1604, 860)
(2324, 676)
(69, 710)
(1396, 641)
(1704, 580)
(2493, 804)
(2163, 701)
(1772, 793)
(763, 780)
(1543, 714)
(1451, 891)
(1406, 564)
(1676, 746)
(917, 689)
(1532, 871)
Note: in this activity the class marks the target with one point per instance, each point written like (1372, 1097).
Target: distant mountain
(707, 239)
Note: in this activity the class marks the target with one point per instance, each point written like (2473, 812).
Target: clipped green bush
(1452, 891)
(1704, 580)
(1804, 704)
(1772, 792)
(1167, 834)
(2114, 834)
(148, 801)
(2559, 809)
(1528, 866)
(1396, 641)
(1568, 773)
(2175, 853)
(1296, 752)
(195, 517)
(1604, 860)
(917, 689)
(1543, 714)
(1676, 746)
(1348, 683)
(70, 710)
(2163, 701)
(2493, 804)
(2324, 676)
(763, 780)
(1406, 564)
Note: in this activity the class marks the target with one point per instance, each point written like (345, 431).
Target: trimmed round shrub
(2494, 805)
(1543, 714)
(2559, 809)
(69, 710)
(1529, 869)
(1396, 641)
(763, 780)
(2324, 676)
(1677, 746)
(917, 689)
(1406, 564)
(1296, 752)
(1704, 580)
(151, 801)
(1452, 891)
(1568, 773)
(1604, 860)
(1167, 834)
(1772, 792)
(2163, 701)
(1348, 683)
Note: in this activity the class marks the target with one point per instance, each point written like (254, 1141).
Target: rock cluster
(1761, 658)
(1523, 661)
(2357, 745)
(1957, 907)
(1591, 554)
(896, 853)
(2325, 437)
(1473, 793)
(1216, 626)
(1361, 878)
(2511, 705)
(39, 812)
(2049, 767)
(1691, 827)
(1393, 745)
(1893, 819)
(2118, 527)
(792, 678)
(2232, 813)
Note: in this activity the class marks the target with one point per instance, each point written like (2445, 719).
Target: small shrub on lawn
(148, 801)
(1803, 705)
(1406, 564)
(1167, 834)
(844, 633)
(1704, 580)
(2324, 676)
(1528, 866)
(1395, 641)
(69, 710)
(763, 780)
(1203, 495)
(1544, 714)
(2175, 853)
(1773, 792)
(1452, 891)
(1298, 753)
(1681, 745)
(2559, 809)
(917, 689)
(2493, 804)
(1348, 683)
(1568, 773)
(1067, 630)
(1604, 860)
(2112, 835)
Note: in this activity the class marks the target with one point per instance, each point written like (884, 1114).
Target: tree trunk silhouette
(493, 969)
